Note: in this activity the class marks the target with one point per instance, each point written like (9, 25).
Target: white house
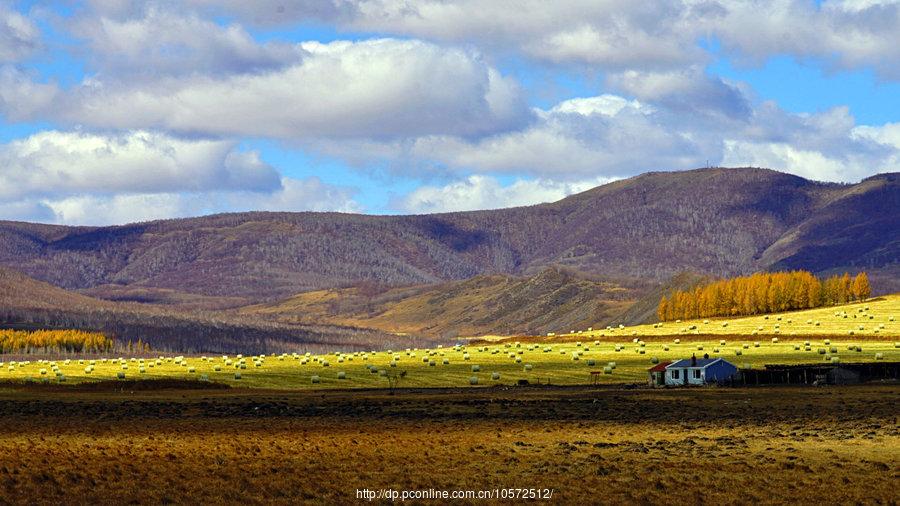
(699, 371)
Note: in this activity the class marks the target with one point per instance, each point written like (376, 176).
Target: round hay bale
(315, 379)
(879, 356)
(591, 362)
(528, 367)
(738, 352)
(473, 380)
(495, 376)
(654, 360)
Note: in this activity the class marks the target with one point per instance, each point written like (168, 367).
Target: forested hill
(713, 221)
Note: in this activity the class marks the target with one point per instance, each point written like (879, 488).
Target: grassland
(872, 319)
(622, 355)
(609, 446)
(553, 364)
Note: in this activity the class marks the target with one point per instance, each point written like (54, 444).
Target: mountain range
(613, 246)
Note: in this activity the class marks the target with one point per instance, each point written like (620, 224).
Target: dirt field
(612, 445)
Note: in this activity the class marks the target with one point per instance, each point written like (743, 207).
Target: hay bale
(756, 344)
(473, 380)
(879, 356)
(528, 367)
(666, 347)
(678, 341)
(738, 352)
(495, 376)
(120, 375)
(591, 362)
(654, 360)
(607, 370)
(315, 379)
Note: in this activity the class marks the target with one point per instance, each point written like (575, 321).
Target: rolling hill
(27, 303)
(553, 299)
(600, 257)
(651, 227)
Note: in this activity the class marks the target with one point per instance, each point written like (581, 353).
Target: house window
(675, 374)
(696, 373)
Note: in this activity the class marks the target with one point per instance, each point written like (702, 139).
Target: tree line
(765, 292)
(49, 341)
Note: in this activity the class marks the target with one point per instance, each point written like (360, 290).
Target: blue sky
(120, 111)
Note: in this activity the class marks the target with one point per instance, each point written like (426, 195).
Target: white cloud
(159, 41)
(374, 89)
(21, 97)
(54, 163)
(604, 136)
(309, 194)
(19, 36)
(654, 35)
(483, 192)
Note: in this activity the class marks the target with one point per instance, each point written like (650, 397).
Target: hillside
(651, 227)
(27, 303)
(874, 319)
(491, 304)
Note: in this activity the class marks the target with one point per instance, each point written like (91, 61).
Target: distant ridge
(711, 221)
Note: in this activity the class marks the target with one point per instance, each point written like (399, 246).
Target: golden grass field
(832, 445)
(275, 436)
(555, 360)
(874, 318)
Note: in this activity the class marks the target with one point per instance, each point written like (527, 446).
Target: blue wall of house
(720, 371)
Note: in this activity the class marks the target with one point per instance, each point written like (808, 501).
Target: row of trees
(49, 341)
(767, 292)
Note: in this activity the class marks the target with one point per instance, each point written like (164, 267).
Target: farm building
(694, 371)
(821, 373)
(658, 374)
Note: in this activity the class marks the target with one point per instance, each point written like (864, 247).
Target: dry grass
(772, 446)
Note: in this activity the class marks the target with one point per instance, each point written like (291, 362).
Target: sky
(117, 111)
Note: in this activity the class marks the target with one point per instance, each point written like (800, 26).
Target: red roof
(660, 367)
